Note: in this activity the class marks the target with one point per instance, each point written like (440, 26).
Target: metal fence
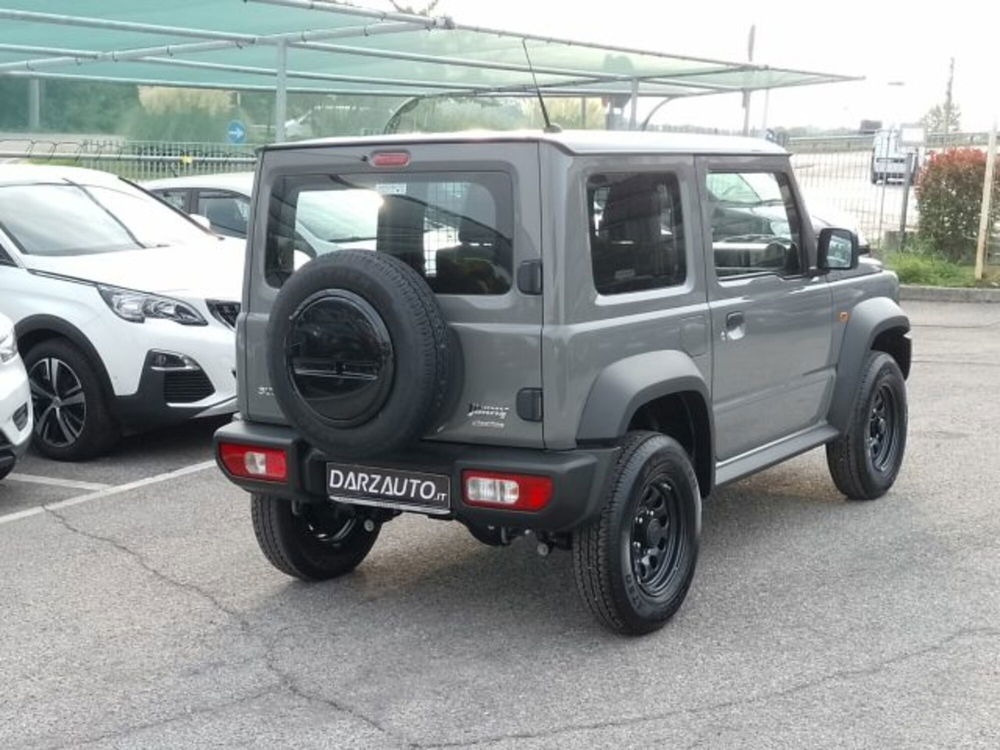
(836, 178)
(136, 160)
(835, 173)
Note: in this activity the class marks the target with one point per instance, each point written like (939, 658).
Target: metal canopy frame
(346, 50)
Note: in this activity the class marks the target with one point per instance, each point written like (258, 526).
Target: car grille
(225, 312)
(21, 417)
(186, 387)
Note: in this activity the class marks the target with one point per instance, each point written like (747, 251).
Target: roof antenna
(549, 127)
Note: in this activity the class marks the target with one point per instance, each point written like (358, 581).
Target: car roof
(238, 182)
(27, 174)
(570, 141)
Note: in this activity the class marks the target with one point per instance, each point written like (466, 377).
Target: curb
(947, 294)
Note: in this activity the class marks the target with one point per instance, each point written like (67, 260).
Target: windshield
(66, 218)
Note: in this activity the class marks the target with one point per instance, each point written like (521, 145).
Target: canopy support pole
(34, 104)
(281, 92)
(633, 117)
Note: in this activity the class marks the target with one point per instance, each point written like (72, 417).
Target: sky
(886, 42)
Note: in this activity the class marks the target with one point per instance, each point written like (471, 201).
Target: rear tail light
(254, 462)
(489, 489)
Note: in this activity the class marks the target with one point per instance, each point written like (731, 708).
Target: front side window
(67, 218)
(176, 198)
(226, 212)
(636, 232)
(755, 224)
(454, 229)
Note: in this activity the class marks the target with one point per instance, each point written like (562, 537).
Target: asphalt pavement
(137, 612)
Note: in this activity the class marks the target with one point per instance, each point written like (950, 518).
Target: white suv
(124, 309)
(15, 400)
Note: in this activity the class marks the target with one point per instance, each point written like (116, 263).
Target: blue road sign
(236, 132)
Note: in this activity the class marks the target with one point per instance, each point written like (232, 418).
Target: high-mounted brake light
(390, 159)
(490, 489)
(254, 462)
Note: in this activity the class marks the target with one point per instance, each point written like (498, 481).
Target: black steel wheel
(635, 563)
(866, 459)
(313, 542)
(72, 418)
(656, 544)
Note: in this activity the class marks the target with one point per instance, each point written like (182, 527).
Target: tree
(940, 119)
(948, 195)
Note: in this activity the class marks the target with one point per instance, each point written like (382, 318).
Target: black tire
(73, 416)
(865, 461)
(409, 368)
(653, 476)
(313, 542)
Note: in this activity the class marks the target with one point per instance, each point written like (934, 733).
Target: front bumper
(579, 476)
(15, 412)
(167, 397)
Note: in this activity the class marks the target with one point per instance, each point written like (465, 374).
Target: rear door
(772, 370)
(465, 215)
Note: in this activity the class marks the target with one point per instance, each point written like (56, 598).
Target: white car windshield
(68, 218)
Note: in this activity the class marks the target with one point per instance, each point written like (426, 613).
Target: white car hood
(209, 270)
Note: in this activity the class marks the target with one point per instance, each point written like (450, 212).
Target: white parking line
(107, 492)
(57, 482)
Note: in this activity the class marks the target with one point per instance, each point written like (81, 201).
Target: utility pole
(746, 93)
(947, 97)
(985, 208)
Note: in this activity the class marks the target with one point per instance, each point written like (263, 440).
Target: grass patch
(928, 269)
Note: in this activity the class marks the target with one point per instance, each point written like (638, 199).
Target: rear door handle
(736, 326)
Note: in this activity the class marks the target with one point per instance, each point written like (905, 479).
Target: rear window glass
(454, 229)
(636, 232)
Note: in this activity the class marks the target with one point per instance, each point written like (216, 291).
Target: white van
(889, 155)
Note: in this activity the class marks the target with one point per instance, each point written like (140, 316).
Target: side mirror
(201, 221)
(838, 249)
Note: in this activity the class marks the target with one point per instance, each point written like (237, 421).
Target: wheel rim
(657, 536)
(327, 525)
(883, 424)
(60, 405)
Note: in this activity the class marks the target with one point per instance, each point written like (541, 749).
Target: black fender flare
(33, 323)
(867, 320)
(624, 386)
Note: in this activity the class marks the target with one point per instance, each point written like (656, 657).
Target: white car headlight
(8, 343)
(137, 306)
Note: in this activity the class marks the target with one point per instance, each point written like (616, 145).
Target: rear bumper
(579, 476)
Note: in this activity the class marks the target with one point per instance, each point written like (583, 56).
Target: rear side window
(636, 232)
(455, 229)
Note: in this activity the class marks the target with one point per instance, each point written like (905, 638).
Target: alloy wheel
(60, 405)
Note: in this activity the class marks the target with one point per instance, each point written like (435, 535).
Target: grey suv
(573, 335)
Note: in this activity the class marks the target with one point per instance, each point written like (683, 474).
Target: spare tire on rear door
(360, 358)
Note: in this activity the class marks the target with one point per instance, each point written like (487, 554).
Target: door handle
(736, 326)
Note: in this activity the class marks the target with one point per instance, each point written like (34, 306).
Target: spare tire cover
(360, 358)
